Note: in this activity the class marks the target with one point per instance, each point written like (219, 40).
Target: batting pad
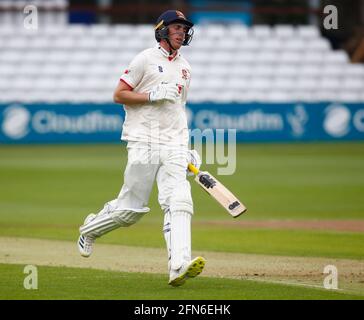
(167, 235)
(180, 239)
(108, 221)
(181, 199)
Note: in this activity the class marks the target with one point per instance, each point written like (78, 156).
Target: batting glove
(164, 91)
(194, 158)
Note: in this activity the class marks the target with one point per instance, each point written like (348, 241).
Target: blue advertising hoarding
(60, 123)
(77, 123)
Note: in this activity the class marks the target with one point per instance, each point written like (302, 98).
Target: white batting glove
(164, 91)
(195, 159)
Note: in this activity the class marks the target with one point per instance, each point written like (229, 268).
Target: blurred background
(279, 73)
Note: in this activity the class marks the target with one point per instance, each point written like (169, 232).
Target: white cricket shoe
(189, 270)
(85, 243)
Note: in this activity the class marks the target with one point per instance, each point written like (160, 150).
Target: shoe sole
(194, 269)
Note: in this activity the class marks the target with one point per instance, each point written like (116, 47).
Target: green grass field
(46, 191)
(66, 283)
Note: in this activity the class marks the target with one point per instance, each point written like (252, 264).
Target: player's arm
(124, 94)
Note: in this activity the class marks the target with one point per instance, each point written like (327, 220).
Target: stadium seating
(230, 63)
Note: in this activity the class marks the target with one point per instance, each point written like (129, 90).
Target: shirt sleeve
(135, 72)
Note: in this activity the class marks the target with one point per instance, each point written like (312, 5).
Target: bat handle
(193, 169)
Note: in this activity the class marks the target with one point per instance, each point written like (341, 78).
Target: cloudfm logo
(16, 122)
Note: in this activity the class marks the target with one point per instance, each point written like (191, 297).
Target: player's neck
(166, 46)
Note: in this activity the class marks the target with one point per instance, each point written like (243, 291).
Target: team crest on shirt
(184, 74)
(160, 68)
(126, 71)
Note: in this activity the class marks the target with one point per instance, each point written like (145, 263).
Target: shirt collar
(165, 53)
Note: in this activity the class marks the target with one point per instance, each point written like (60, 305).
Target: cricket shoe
(85, 243)
(189, 270)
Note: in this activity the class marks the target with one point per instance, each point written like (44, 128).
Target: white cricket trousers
(168, 168)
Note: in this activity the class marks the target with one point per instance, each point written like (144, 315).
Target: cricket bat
(218, 191)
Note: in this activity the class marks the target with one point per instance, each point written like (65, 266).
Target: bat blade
(220, 193)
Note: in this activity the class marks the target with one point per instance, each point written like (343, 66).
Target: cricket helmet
(172, 16)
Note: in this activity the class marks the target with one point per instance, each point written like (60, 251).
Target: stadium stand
(230, 63)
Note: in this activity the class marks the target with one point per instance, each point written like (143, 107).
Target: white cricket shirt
(163, 123)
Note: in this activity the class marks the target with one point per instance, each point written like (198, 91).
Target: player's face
(177, 32)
